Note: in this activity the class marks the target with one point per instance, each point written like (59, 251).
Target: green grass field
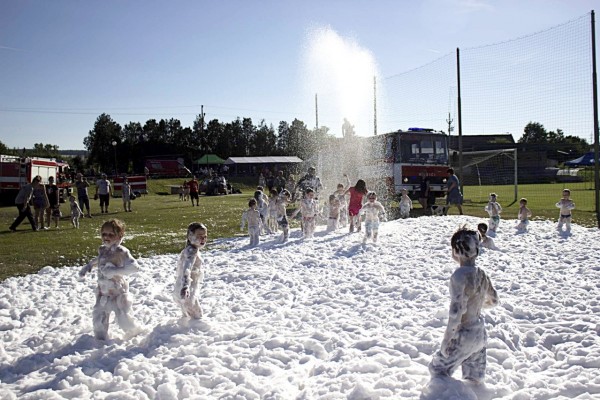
(159, 220)
(541, 200)
(157, 225)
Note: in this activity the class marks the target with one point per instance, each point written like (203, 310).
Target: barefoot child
(262, 205)
(76, 212)
(486, 241)
(126, 194)
(464, 342)
(335, 210)
(494, 209)
(371, 211)
(566, 205)
(272, 213)
(251, 217)
(357, 193)
(524, 215)
(405, 204)
(282, 202)
(309, 209)
(340, 193)
(114, 262)
(189, 272)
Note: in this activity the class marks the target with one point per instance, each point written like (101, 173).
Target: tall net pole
(595, 106)
(460, 147)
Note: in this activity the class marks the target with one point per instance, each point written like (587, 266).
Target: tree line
(124, 149)
(130, 145)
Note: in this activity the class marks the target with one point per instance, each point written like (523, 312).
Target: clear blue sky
(63, 63)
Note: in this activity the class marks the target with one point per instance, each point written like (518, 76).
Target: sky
(63, 63)
(322, 318)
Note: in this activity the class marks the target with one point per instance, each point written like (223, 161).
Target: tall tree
(215, 141)
(4, 149)
(264, 142)
(99, 143)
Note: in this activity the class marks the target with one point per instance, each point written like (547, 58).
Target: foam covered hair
(192, 228)
(465, 243)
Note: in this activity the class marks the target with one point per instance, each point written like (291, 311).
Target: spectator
(455, 197)
(22, 203)
(53, 198)
(279, 181)
(82, 186)
(194, 194)
(103, 191)
(40, 203)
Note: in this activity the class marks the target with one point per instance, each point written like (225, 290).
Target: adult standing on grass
(455, 197)
(82, 185)
(53, 199)
(40, 203)
(103, 191)
(425, 190)
(194, 194)
(22, 203)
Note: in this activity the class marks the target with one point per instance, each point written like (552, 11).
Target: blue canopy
(585, 160)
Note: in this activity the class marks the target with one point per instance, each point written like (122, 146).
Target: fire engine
(398, 159)
(17, 171)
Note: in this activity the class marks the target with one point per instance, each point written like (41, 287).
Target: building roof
(263, 160)
(483, 142)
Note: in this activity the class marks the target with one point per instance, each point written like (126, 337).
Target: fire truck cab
(17, 171)
(398, 159)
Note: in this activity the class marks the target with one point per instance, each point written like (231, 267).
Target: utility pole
(375, 105)
(449, 121)
(317, 110)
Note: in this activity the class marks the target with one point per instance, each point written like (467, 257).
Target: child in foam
(281, 203)
(523, 216)
(272, 211)
(464, 342)
(405, 204)
(335, 211)
(309, 209)
(262, 205)
(566, 205)
(357, 192)
(494, 209)
(189, 272)
(113, 263)
(340, 193)
(252, 217)
(486, 241)
(371, 210)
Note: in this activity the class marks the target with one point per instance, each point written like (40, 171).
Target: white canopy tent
(255, 165)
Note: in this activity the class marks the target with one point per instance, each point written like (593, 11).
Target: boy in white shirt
(371, 210)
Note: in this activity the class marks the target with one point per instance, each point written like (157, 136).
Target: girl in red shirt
(357, 192)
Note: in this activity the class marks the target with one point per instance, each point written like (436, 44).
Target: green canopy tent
(209, 159)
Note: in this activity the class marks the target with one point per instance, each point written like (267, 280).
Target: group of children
(464, 341)
(345, 206)
(114, 262)
(493, 208)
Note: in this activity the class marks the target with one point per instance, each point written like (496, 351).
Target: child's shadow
(564, 235)
(445, 387)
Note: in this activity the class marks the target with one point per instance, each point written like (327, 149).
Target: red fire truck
(167, 168)
(398, 158)
(17, 171)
